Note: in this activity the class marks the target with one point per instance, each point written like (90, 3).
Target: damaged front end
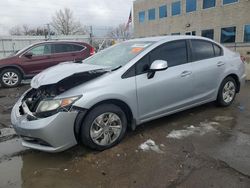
(42, 102)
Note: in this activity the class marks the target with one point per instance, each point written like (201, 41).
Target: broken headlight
(54, 104)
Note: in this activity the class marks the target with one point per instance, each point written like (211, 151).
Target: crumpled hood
(56, 73)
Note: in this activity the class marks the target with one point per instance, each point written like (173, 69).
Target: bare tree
(16, 30)
(64, 23)
(28, 31)
(120, 33)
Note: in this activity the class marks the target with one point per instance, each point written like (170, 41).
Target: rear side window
(77, 48)
(202, 50)
(217, 50)
(175, 53)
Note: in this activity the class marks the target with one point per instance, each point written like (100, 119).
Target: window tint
(77, 48)
(63, 48)
(142, 16)
(151, 14)
(175, 53)
(41, 50)
(217, 50)
(209, 33)
(247, 33)
(163, 11)
(202, 50)
(191, 5)
(228, 34)
(208, 3)
(229, 1)
(176, 8)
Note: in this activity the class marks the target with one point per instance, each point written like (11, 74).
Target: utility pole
(91, 35)
(48, 27)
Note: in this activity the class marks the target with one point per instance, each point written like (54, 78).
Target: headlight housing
(56, 104)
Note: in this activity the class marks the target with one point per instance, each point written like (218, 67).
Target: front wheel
(10, 78)
(103, 127)
(227, 92)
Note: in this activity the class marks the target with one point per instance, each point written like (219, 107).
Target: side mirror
(157, 65)
(28, 54)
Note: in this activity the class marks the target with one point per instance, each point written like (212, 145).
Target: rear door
(40, 60)
(168, 90)
(208, 65)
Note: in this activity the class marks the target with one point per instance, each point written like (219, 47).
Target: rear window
(202, 50)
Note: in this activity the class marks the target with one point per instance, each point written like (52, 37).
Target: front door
(168, 90)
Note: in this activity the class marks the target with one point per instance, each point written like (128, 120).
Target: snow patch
(223, 118)
(204, 128)
(150, 145)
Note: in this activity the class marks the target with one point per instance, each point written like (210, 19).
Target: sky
(98, 13)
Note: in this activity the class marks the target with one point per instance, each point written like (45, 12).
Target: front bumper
(51, 134)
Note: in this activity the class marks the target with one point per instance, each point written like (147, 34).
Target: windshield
(118, 55)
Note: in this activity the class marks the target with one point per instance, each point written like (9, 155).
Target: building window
(151, 14)
(208, 3)
(142, 16)
(229, 1)
(247, 33)
(191, 5)
(191, 33)
(176, 8)
(176, 34)
(209, 33)
(163, 11)
(228, 34)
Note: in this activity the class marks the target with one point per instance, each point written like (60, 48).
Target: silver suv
(94, 103)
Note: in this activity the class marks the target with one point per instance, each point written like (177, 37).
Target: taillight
(243, 59)
(92, 50)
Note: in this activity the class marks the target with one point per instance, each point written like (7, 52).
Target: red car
(32, 60)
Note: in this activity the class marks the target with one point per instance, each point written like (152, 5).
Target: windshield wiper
(118, 67)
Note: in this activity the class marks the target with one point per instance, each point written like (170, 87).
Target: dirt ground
(203, 147)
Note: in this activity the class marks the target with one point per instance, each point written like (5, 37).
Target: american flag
(129, 20)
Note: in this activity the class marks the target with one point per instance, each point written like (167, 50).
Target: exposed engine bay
(46, 92)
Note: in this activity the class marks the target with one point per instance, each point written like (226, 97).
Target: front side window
(209, 33)
(202, 50)
(191, 5)
(229, 1)
(142, 16)
(247, 33)
(119, 54)
(41, 50)
(176, 8)
(208, 3)
(163, 11)
(228, 34)
(175, 53)
(151, 14)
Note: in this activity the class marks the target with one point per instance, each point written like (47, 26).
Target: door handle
(186, 73)
(220, 63)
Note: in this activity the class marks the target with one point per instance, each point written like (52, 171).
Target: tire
(100, 114)
(227, 92)
(10, 78)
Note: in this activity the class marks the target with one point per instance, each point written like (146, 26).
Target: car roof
(59, 41)
(167, 38)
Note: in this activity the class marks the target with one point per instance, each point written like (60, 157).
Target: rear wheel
(227, 92)
(103, 127)
(10, 78)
